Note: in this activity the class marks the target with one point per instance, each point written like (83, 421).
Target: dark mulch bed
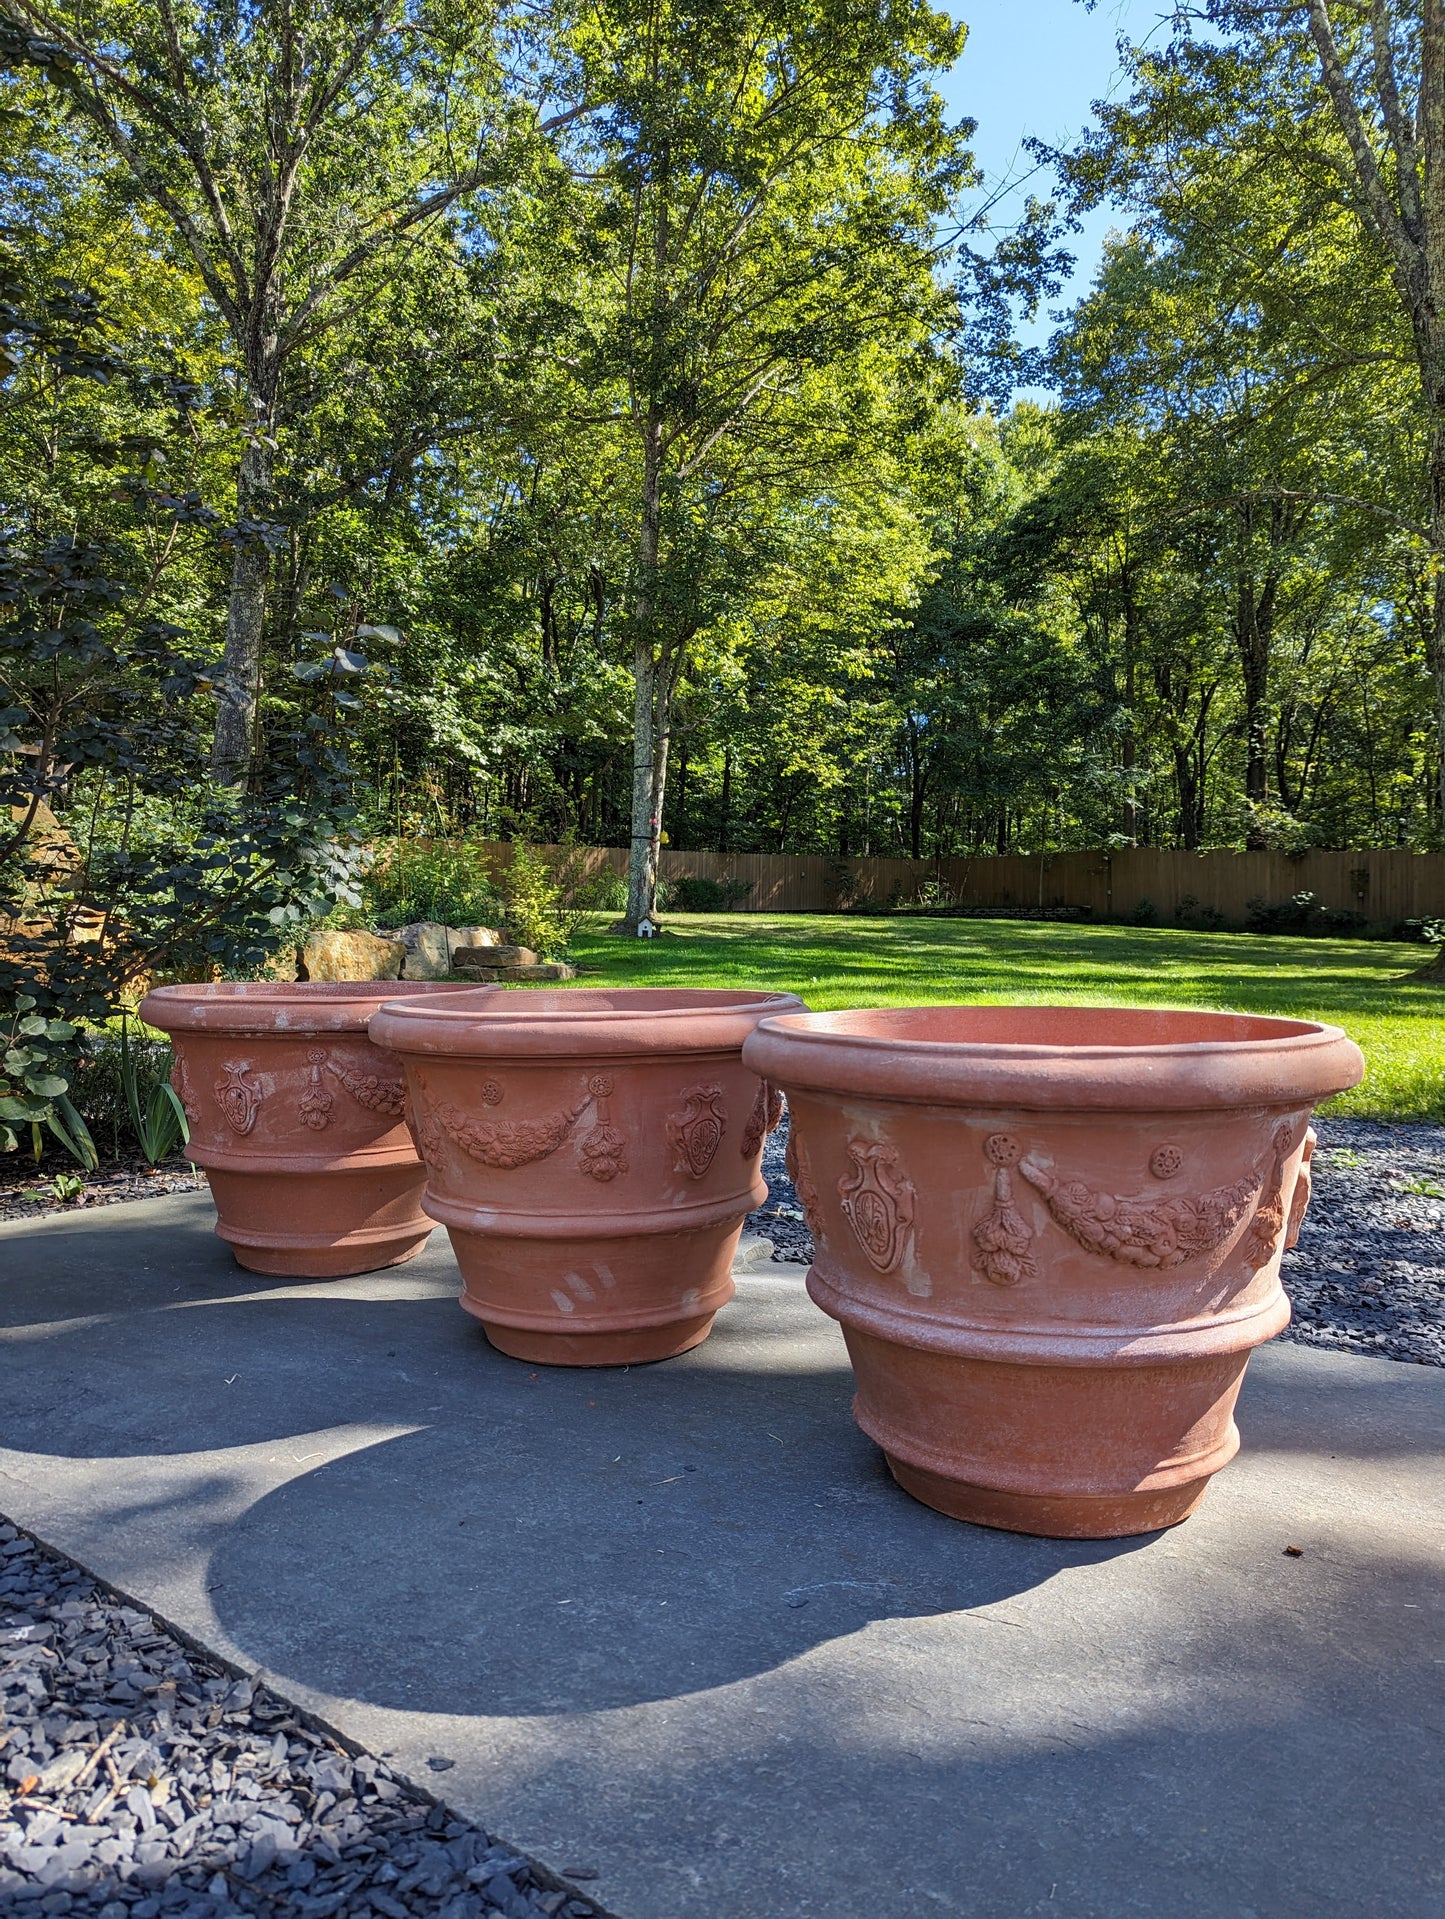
(1368, 1275)
(27, 1190)
(139, 1779)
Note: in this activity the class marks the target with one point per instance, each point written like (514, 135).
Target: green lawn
(833, 961)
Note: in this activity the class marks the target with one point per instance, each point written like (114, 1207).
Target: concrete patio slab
(677, 1624)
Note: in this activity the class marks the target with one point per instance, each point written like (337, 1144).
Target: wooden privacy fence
(1385, 885)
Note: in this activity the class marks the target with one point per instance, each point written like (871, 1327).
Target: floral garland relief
(509, 1144)
(1152, 1232)
(377, 1092)
(380, 1093)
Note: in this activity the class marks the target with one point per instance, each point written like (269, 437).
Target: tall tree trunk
(233, 746)
(1437, 608)
(1254, 641)
(726, 801)
(1130, 743)
(680, 806)
(234, 742)
(918, 784)
(1188, 799)
(651, 700)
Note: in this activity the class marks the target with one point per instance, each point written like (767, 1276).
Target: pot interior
(589, 1002)
(301, 992)
(1055, 1028)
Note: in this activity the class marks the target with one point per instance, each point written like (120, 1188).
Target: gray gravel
(140, 1780)
(1368, 1275)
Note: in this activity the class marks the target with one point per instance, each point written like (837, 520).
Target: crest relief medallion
(878, 1202)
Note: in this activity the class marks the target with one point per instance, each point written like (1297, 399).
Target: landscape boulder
(351, 956)
(431, 947)
(513, 975)
(468, 958)
(428, 949)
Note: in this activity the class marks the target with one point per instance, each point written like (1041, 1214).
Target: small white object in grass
(646, 930)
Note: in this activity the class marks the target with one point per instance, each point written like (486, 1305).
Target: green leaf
(47, 1085)
(74, 1135)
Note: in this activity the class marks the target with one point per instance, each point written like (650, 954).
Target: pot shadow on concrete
(549, 1541)
(587, 1559)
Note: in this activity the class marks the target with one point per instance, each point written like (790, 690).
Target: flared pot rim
(258, 1007)
(528, 1023)
(1063, 1055)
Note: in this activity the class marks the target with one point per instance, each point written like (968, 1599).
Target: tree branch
(1383, 214)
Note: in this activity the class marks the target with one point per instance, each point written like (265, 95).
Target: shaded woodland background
(506, 360)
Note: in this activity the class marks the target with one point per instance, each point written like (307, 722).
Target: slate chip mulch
(139, 1780)
(1368, 1275)
(29, 1194)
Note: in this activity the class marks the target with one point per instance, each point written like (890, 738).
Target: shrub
(441, 880)
(695, 895)
(934, 894)
(1300, 914)
(1427, 932)
(1208, 919)
(1145, 913)
(608, 893)
(544, 900)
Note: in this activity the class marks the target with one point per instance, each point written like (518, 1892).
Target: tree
(304, 158)
(153, 867)
(758, 205)
(1330, 124)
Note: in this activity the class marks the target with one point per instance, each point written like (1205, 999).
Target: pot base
(640, 1347)
(1051, 1516)
(339, 1261)
(621, 1301)
(333, 1226)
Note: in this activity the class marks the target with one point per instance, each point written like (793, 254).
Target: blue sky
(1036, 67)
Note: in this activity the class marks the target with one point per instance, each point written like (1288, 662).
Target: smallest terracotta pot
(299, 1121)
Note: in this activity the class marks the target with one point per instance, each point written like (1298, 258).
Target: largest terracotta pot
(1052, 1236)
(299, 1121)
(593, 1156)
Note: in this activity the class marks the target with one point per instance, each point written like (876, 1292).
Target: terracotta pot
(593, 1156)
(299, 1121)
(1052, 1236)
